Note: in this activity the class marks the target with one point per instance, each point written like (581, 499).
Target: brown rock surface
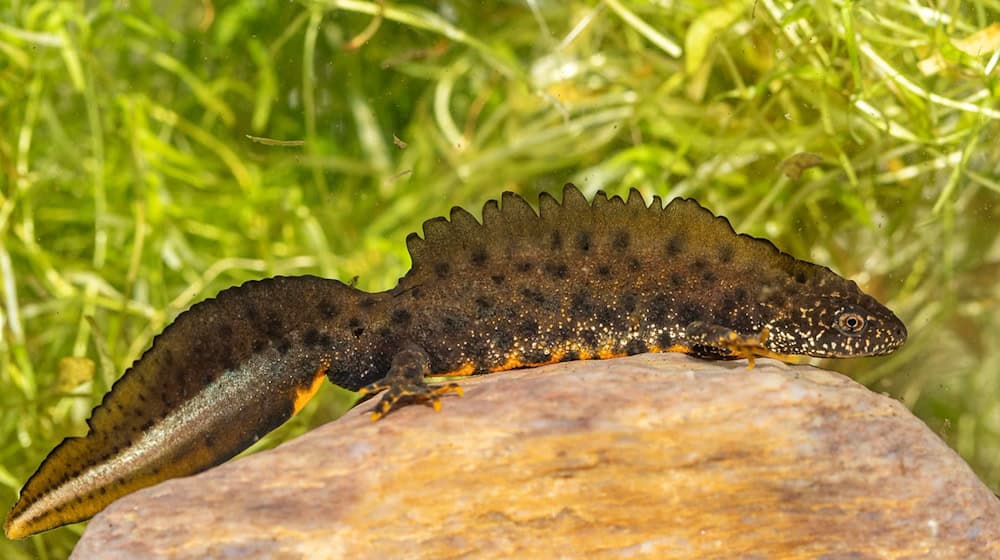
(657, 456)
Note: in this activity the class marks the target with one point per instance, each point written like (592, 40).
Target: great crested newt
(573, 281)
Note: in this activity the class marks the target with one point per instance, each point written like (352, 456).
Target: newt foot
(721, 342)
(404, 384)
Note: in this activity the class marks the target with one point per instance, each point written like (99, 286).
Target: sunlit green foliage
(139, 173)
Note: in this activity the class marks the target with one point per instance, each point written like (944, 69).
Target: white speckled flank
(184, 429)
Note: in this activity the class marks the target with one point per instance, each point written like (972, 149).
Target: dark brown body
(579, 281)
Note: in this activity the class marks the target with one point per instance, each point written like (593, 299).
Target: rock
(652, 456)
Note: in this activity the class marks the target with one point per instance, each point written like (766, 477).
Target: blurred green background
(140, 173)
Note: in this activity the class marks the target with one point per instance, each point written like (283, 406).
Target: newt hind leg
(404, 384)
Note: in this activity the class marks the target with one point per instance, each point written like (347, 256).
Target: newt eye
(850, 323)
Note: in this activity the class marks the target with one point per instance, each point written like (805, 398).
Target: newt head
(807, 309)
(837, 326)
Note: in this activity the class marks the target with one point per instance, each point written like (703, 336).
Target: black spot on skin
(740, 294)
(634, 265)
(570, 356)
(401, 316)
(556, 241)
(778, 296)
(479, 256)
(610, 317)
(498, 279)
(743, 322)
(708, 276)
(283, 346)
(699, 264)
(208, 378)
(800, 277)
(325, 341)
(452, 325)
(561, 332)
(503, 340)
(228, 362)
(477, 348)
(483, 303)
(528, 329)
(357, 328)
(524, 266)
(628, 302)
(635, 346)
(252, 313)
(728, 306)
(583, 241)
(533, 295)
(604, 271)
(416, 293)
(442, 269)
(676, 279)
(621, 240)
(588, 338)
(258, 345)
(537, 357)
(726, 253)
(311, 337)
(675, 245)
(664, 341)
(582, 306)
(273, 326)
(659, 309)
(688, 313)
(557, 270)
(367, 302)
(327, 309)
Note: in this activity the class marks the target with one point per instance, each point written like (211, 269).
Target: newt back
(575, 280)
(617, 277)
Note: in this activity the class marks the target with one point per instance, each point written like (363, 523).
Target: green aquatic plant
(152, 155)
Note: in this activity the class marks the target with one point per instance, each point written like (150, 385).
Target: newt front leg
(715, 341)
(404, 384)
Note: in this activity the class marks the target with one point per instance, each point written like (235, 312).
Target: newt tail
(224, 374)
(574, 280)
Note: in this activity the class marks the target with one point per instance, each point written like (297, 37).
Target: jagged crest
(511, 226)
